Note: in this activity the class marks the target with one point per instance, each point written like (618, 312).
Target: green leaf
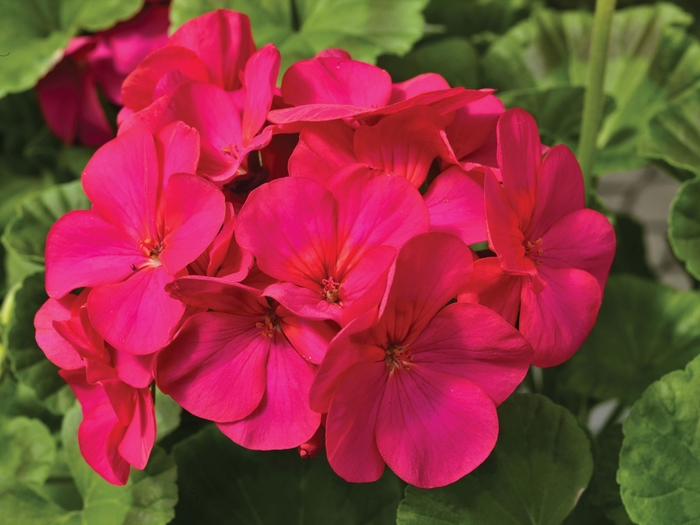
(674, 134)
(27, 451)
(644, 330)
(454, 58)
(25, 235)
(684, 226)
(652, 62)
(535, 475)
(167, 414)
(660, 457)
(28, 361)
(34, 34)
(29, 508)
(223, 483)
(364, 28)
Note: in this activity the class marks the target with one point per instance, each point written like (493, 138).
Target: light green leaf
(454, 58)
(167, 414)
(33, 34)
(29, 508)
(27, 451)
(364, 28)
(673, 135)
(223, 483)
(535, 475)
(652, 62)
(28, 361)
(684, 225)
(660, 457)
(25, 235)
(644, 330)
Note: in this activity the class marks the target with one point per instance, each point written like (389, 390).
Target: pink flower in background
(417, 386)
(68, 93)
(554, 255)
(150, 218)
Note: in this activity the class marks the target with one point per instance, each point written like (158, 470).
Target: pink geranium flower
(119, 426)
(554, 255)
(150, 218)
(248, 364)
(417, 386)
(331, 247)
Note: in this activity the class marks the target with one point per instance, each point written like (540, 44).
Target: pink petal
(215, 368)
(222, 39)
(194, 213)
(313, 113)
(559, 190)
(351, 421)
(309, 338)
(558, 320)
(100, 432)
(59, 94)
(134, 370)
(472, 342)
(374, 210)
(519, 157)
(259, 81)
(136, 315)
(584, 239)
(218, 295)
(290, 226)
(404, 143)
(336, 80)
(177, 145)
(431, 269)
(434, 428)
(305, 302)
(493, 288)
(149, 117)
(93, 127)
(140, 434)
(455, 201)
(323, 148)
(474, 124)
(416, 86)
(122, 182)
(83, 249)
(138, 88)
(283, 418)
(57, 350)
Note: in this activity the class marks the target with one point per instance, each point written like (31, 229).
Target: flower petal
(323, 147)
(434, 428)
(140, 436)
(493, 288)
(259, 81)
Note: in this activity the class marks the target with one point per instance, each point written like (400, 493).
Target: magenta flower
(417, 386)
(150, 218)
(554, 255)
(330, 247)
(119, 426)
(248, 364)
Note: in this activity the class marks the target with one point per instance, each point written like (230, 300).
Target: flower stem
(594, 100)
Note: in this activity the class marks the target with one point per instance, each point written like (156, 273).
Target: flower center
(534, 250)
(331, 289)
(269, 325)
(231, 150)
(152, 249)
(398, 357)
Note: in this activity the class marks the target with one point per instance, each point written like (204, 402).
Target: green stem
(595, 97)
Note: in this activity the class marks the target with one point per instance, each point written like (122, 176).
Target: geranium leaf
(167, 414)
(540, 466)
(28, 361)
(25, 235)
(630, 253)
(652, 62)
(364, 28)
(684, 227)
(644, 330)
(34, 34)
(27, 451)
(221, 482)
(660, 455)
(454, 58)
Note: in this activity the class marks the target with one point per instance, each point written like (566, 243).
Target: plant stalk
(594, 100)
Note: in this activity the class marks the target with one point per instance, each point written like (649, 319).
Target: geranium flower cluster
(294, 263)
